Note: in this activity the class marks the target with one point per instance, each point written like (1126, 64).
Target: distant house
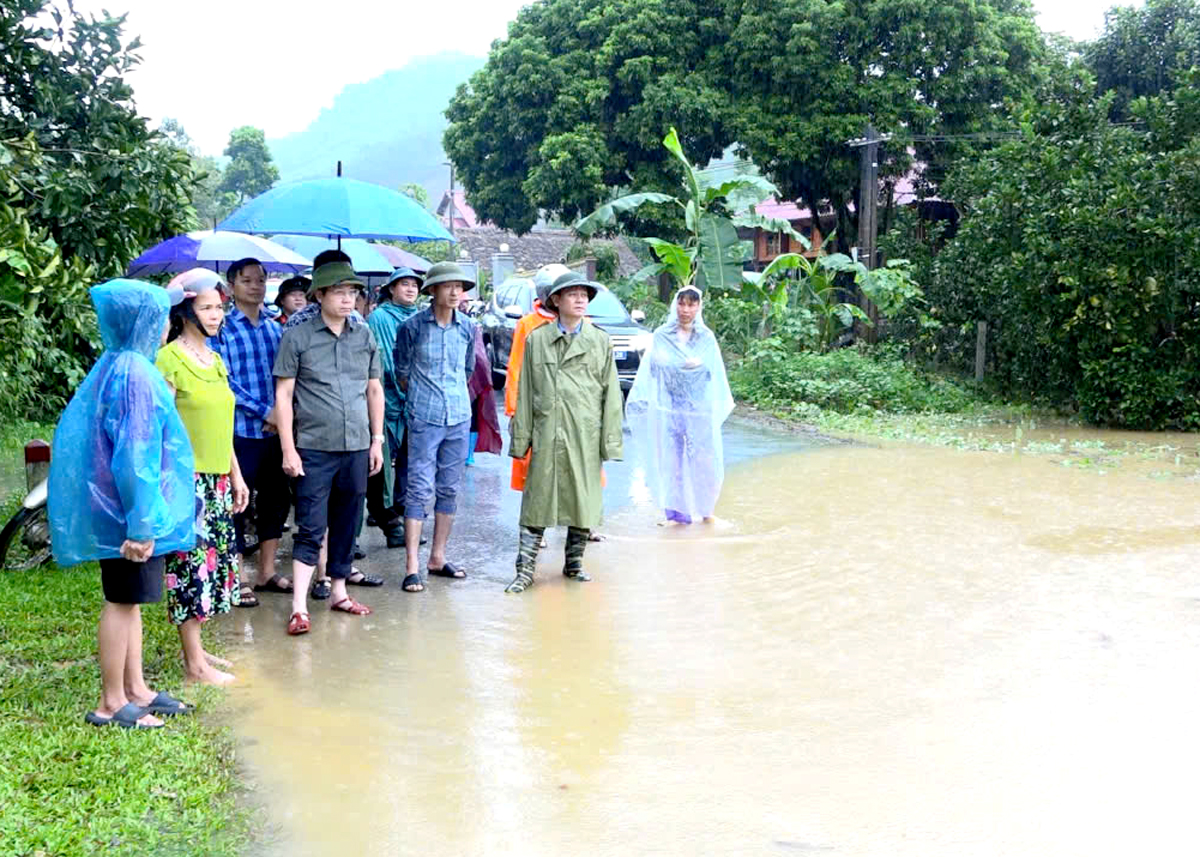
(454, 212)
(768, 245)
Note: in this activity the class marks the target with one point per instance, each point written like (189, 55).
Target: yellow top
(205, 404)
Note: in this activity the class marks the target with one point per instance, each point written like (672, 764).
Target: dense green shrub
(843, 380)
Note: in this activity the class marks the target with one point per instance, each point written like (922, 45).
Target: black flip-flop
(365, 580)
(126, 717)
(322, 589)
(448, 570)
(272, 585)
(409, 580)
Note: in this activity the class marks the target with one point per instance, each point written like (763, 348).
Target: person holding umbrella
(435, 354)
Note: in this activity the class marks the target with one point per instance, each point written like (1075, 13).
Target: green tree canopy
(808, 75)
(250, 170)
(85, 186)
(570, 108)
(1145, 50)
(575, 102)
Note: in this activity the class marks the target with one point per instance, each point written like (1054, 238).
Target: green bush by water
(844, 381)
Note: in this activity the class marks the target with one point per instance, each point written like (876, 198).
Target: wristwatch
(377, 438)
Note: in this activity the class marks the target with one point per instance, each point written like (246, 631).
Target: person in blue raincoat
(121, 491)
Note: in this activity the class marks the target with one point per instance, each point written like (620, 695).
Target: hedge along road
(902, 650)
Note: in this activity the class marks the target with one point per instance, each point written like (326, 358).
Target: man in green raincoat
(569, 415)
(385, 496)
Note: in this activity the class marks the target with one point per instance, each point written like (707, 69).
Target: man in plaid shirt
(433, 357)
(248, 343)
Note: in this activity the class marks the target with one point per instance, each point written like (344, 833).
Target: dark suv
(514, 298)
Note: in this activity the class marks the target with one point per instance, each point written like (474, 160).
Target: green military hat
(446, 272)
(334, 274)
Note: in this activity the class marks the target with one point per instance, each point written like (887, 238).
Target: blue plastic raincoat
(121, 465)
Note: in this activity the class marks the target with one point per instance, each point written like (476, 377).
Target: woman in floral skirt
(200, 582)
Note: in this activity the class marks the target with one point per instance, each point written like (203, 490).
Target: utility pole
(868, 194)
(868, 214)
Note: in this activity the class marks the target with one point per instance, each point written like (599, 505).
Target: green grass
(68, 788)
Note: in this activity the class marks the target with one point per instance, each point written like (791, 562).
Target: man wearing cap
(385, 495)
(248, 343)
(292, 297)
(330, 410)
(435, 354)
(569, 418)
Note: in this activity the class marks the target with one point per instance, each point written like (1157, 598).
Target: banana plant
(712, 255)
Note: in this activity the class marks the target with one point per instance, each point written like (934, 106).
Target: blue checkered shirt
(249, 353)
(436, 362)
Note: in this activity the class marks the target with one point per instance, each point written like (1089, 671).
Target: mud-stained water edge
(889, 651)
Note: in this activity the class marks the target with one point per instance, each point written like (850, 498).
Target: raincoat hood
(132, 315)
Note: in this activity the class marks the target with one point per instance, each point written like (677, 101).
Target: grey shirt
(331, 372)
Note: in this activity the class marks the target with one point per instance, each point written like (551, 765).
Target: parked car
(514, 298)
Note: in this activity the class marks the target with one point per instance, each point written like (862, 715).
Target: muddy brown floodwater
(878, 651)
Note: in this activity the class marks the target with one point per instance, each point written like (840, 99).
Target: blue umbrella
(336, 208)
(364, 256)
(208, 249)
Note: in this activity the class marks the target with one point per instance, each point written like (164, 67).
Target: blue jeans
(436, 456)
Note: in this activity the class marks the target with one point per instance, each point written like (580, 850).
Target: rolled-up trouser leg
(528, 543)
(577, 539)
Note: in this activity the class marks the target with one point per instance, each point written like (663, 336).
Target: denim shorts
(436, 457)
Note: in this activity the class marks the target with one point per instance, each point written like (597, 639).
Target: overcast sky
(273, 64)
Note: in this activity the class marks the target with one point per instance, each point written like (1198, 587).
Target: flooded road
(877, 651)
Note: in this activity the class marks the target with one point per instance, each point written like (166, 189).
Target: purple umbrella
(402, 258)
(208, 249)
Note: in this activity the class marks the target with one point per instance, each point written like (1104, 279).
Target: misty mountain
(387, 130)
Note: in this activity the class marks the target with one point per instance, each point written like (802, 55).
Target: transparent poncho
(675, 410)
(121, 465)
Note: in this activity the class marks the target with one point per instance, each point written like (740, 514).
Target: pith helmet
(445, 272)
(569, 280)
(545, 277)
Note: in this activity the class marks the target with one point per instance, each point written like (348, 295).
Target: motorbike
(26, 536)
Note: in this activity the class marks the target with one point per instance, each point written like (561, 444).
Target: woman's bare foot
(668, 523)
(215, 661)
(208, 675)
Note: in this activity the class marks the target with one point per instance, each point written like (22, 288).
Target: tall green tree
(574, 103)
(250, 170)
(808, 75)
(85, 185)
(1144, 50)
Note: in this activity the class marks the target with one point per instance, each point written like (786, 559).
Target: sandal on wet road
(246, 597)
(448, 570)
(126, 717)
(274, 583)
(363, 579)
(298, 624)
(349, 605)
(412, 580)
(322, 589)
